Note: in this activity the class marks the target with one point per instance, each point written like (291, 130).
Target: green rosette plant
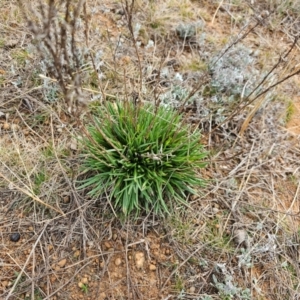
(143, 156)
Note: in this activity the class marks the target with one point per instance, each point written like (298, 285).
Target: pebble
(90, 243)
(139, 259)
(152, 267)
(56, 268)
(53, 279)
(76, 253)
(66, 199)
(4, 283)
(84, 280)
(215, 210)
(15, 237)
(192, 289)
(62, 263)
(6, 126)
(118, 261)
(194, 197)
(73, 145)
(107, 245)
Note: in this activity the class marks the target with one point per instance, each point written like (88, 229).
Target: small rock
(192, 289)
(53, 278)
(15, 237)
(4, 283)
(194, 197)
(62, 263)
(76, 253)
(73, 145)
(152, 267)
(102, 296)
(84, 280)
(26, 132)
(56, 268)
(107, 245)
(215, 210)
(139, 259)
(6, 126)
(80, 284)
(66, 199)
(118, 261)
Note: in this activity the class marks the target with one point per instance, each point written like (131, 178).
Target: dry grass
(239, 239)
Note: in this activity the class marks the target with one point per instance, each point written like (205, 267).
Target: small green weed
(182, 229)
(290, 110)
(142, 155)
(37, 296)
(196, 65)
(179, 283)
(84, 288)
(48, 152)
(21, 56)
(38, 180)
(155, 24)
